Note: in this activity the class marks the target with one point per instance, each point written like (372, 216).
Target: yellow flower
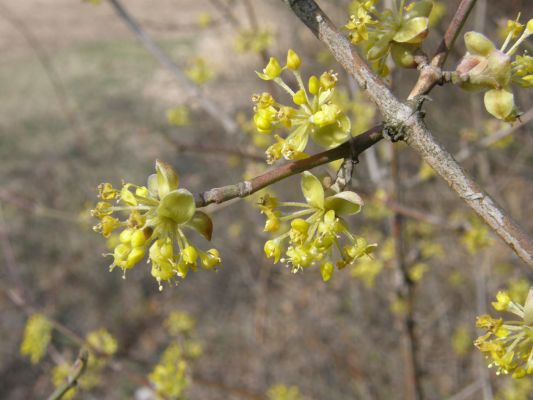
(315, 116)
(37, 336)
(158, 213)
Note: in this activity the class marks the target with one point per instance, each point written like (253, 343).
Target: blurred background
(83, 102)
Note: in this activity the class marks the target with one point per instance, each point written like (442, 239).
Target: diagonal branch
(350, 149)
(78, 368)
(417, 135)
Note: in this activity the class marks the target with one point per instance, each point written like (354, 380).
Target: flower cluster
(398, 32)
(509, 344)
(157, 215)
(284, 392)
(253, 40)
(484, 67)
(171, 376)
(199, 71)
(37, 336)
(316, 114)
(315, 239)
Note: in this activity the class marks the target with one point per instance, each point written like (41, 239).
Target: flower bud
(500, 103)
(190, 255)
(272, 249)
(125, 236)
(477, 43)
(293, 60)
(299, 97)
(137, 238)
(121, 253)
(529, 25)
(134, 257)
(273, 68)
(314, 85)
(210, 259)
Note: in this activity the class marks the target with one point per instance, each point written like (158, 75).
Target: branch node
(245, 188)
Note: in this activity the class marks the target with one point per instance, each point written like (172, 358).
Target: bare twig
(417, 135)
(352, 148)
(79, 367)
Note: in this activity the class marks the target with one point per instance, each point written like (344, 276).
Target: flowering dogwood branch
(415, 132)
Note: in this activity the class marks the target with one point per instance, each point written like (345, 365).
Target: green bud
(293, 60)
(413, 30)
(404, 55)
(477, 43)
(499, 103)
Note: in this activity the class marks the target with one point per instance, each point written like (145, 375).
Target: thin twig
(405, 289)
(431, 72)
(79, 367)
(351, 148)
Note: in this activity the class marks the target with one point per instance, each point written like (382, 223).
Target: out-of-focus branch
(416, 134)
(212, 109)
(489, 140)
(182, 147)
(453, 30)
(405, 290)
(58, 87)
(351, 148)
(79, 367)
